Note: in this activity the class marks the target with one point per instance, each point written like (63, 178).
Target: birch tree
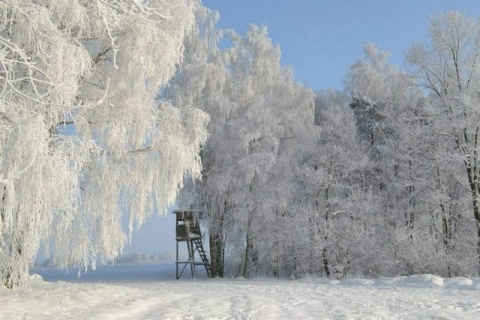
(83, 138)
(257, 111)
(448, 70)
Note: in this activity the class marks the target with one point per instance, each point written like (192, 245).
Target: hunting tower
(188, 232)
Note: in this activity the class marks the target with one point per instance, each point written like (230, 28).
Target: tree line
(380, 179)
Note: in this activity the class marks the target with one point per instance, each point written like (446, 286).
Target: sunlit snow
(151, 292)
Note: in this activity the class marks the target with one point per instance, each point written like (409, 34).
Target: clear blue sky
(319, 39)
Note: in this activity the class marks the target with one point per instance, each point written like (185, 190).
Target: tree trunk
(10, 278)
(473, 177)
(216, 254)
(325, 261)
(295, 259)
(476, 212)
(248, 248)
(217, 245)
(327, 218)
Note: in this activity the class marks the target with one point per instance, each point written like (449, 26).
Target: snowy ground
(151, 292)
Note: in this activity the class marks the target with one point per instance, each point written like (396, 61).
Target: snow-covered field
(151, 292)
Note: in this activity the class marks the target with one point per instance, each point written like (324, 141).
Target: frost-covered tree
(392, 122)
(413, 172)
(202, 81)
(274, 117)
(448, 71)
(83, 138)
(257, 114)
(334, 210)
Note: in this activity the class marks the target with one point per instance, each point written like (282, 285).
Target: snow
(151, 292)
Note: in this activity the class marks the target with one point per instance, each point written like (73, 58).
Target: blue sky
(319, 39)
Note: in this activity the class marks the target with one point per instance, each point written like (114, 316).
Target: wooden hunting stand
(188, 231)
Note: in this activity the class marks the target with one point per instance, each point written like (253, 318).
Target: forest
(112, 111)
